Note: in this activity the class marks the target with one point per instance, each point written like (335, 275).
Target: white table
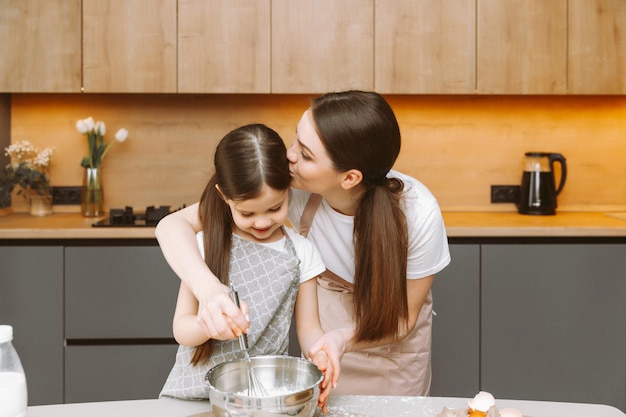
(339, 406)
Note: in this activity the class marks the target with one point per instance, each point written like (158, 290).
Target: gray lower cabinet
(31, 300)
(529, 320)
(119, 303)
(553, 322)
(455, 344)
(116, 372)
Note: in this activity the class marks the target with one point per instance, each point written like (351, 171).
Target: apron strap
(308, 213)
(333, 282)
(328, 279)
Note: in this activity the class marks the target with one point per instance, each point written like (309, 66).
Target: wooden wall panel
(425, 47)
(129, 46)
(457, 145)
(521, 47)
(597, 47)
(41, 49)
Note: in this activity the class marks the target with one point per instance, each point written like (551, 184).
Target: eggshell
(510, 412)
(483, 401)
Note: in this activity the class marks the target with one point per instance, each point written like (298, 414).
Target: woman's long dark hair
(246, 159)
(359, 131)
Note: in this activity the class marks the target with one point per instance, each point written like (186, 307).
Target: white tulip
(100, 128)
(121, 135)
(82, 127)
(90, 123)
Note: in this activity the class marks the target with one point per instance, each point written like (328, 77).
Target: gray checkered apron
(267, 279)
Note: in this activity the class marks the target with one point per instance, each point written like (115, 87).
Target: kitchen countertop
(339, 406)
(458, 224)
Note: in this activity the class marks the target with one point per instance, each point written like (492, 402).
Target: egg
(510, 412)
(483, 401)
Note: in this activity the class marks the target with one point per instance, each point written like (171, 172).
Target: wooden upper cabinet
(425, 47)
(129, 46)
(597, 47)
(40, 46)
(224, 46)
(521, 47)
(322, 45)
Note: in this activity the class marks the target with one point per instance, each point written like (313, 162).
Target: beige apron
(400, 368)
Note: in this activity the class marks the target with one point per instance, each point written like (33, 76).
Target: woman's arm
(218, 316)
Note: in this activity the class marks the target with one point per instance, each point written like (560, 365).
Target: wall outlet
(505, 193)
(66, 195)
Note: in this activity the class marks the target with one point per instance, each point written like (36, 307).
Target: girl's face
(310, 166)
(259, 219)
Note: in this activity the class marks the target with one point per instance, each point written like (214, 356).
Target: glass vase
(40, 205)
(92, 203)
(40, 194)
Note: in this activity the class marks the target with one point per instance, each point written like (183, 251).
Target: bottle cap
(6, 333)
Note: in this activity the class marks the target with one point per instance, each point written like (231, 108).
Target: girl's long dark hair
(359, 131)
(246, 159)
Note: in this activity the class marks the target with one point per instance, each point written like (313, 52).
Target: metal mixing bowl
(292, 385)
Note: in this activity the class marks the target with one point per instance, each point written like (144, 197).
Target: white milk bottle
(13, 394)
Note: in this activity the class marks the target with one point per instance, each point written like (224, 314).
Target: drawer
(118, 292)
(113, 373)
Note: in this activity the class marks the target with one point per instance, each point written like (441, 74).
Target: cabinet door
(522, 47)
(115, 373)
(323, 45)
(224, 46)
(554, 322)
(120, 292)
(129, 46)
(597, 47)
(425, 47)
(40, 46)
(455, 358)
(31, 300)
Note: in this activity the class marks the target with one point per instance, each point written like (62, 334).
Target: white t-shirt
(311, 264)
(332, 232)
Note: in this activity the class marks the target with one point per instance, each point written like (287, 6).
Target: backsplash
(457, 145)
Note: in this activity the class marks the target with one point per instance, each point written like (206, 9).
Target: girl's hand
(326, 353)
(218, 316)
(322, 362)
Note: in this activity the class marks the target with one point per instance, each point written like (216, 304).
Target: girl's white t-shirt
(332, 232)
(311, 264)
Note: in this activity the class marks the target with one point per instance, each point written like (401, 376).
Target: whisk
(255, 387)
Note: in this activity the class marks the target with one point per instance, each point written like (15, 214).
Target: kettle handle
(557, 157)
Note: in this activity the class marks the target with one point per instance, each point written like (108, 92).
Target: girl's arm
(219, 317)
(309, 330)
(186, 327)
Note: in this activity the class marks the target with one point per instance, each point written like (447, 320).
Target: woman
(380, 234)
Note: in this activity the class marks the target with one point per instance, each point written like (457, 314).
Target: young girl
(243, 239)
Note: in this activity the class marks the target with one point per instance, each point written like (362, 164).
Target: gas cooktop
(126, 217)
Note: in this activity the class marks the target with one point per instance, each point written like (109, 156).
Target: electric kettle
(538, 191)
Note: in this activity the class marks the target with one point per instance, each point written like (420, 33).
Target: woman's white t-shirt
(332, 232)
